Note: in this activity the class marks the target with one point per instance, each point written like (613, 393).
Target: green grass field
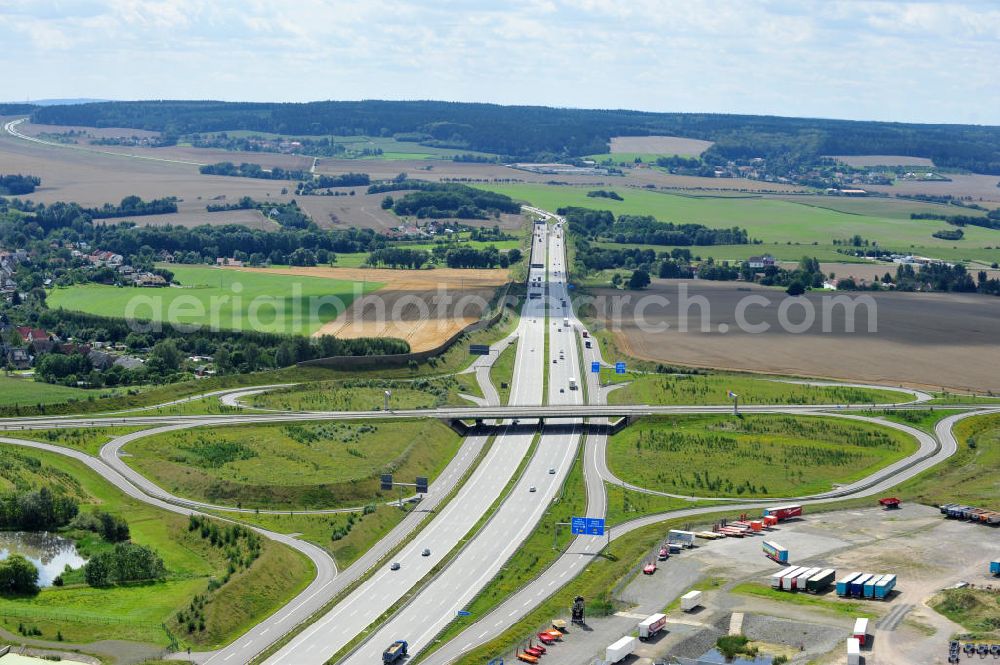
(227, 299)
(777, 220)
(976, 610)
(293, 466)
(362, 395)
(364, 530)
(25, 391)
(829, 602)
(502, 372)
(139, 612)
(751, 456)
(87, 439)
(714, 389)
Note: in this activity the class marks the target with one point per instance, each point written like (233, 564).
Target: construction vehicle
(396, 651)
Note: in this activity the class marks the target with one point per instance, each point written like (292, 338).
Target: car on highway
(426, 552)
(532, 489)
(552, 470)
(395, 566)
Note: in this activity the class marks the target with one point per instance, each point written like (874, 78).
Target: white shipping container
(803, 577)
(860, 627)
(618, 650)
(651, 625)
(776, 578)
(690, 600)
(853, 651)
(786, 581)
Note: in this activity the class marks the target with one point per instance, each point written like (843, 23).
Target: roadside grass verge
(302, 465)
(502, 372)
(752, 456)
(86, 439)
(26, 391)
(711, 388)
(344, 538)
(626, 504)
(361, 395)
(971, 475)
(140, 611)
(828, 602)
(924, 420)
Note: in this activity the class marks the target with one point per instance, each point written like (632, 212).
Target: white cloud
(906, 60)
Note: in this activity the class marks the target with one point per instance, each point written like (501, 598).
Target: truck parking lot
(914, 542)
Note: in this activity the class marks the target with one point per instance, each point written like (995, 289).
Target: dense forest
(537, 132)
(442, 200)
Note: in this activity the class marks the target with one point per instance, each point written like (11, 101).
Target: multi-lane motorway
(466, 543)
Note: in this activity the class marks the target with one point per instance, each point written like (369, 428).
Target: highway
(432, 600)
(386, 587)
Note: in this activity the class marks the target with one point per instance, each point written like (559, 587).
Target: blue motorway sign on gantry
(619, 368)
(587, 526)
(595, 367)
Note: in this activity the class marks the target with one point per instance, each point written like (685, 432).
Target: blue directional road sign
(587, 526)
(619, 368)
(595, 367)
(464, 613)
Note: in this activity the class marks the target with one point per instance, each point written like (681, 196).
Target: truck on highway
(396, 651)
(784, 512)
(619, 650)
(572, 383)
(565, 320)
(651, 625)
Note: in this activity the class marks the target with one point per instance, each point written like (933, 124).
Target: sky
(934, 61)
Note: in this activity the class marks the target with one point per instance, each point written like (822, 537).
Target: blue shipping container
(885, 587)
(995, 567)
(869, 589)
(858, 584)
(844, 584)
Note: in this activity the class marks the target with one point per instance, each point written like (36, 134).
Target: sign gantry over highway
(587, 526)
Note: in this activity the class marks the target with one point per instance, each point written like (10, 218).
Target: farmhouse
(760, 262)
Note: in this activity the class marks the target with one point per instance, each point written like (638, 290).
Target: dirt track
(424, 307)
(927, 340)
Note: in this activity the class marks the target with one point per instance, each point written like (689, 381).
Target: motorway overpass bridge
(462, 418)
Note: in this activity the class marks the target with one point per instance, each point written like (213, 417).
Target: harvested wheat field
(659, 145)
(927, 340)
(423, 307)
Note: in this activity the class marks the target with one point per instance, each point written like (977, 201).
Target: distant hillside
(543, 133)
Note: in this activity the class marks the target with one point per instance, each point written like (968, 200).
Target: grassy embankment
(712, 388)
(293, 466)
(139, 612)
(754, 456)
(787, 227)
(502, 372)
(221, 297)
(976, 610)
(364, 395)
(87, 439)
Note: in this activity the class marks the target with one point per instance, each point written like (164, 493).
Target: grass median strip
(285, 639)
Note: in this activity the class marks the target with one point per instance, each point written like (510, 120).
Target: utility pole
(736, 403)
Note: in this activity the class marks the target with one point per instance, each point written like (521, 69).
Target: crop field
(423, 307)
(768, 220)
(660, 145)
(306, 465)
(84, 614)
(714, 389)
(923, 339)
(882, 160)
(751, 456)
(221, 298)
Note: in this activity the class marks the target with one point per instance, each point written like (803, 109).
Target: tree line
(541, 133)
(16, 185)
(646, 230)
(441, 200)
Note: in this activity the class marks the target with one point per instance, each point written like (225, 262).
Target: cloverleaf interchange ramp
(436, 599)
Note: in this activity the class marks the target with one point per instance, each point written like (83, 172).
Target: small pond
(714, 656)
(49, 552)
